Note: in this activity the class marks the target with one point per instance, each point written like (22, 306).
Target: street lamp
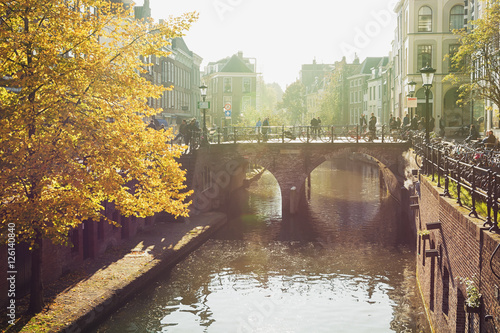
(412, 85)
(427, 77)
(203, 90)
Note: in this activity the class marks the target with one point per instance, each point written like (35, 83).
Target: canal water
(345, 265)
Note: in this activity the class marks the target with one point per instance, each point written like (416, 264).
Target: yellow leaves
(73, 137)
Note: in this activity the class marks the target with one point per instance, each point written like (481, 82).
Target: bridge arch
(292, 163)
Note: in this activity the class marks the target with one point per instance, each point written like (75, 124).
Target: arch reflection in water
(340, 267)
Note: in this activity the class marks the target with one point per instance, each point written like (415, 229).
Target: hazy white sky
(283, 35)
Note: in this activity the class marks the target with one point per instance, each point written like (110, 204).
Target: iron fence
(473, 184)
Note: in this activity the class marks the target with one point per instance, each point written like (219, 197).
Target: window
(246, 103)
(425, 19)
(247, 85)
(457, 17)
(228, 85)
(452, 65)
(424, 57)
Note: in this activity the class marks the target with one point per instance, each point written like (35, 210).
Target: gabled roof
(179, 43)
(369, 63)
(236, 65)
(384, 61)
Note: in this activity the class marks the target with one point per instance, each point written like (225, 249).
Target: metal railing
(304, 134)
(460, 177)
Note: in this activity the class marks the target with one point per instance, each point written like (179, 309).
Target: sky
(283, 35)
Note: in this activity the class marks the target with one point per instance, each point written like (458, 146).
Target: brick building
(232, 83)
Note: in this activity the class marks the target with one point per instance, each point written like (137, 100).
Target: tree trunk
(36, 293)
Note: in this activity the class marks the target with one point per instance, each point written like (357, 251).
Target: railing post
(282, 133)
(473, 193)
(459, 180)
(383, 128)
(495, 202)
(438, 164)
(429, 165)
(432, 162)
(307, 134)
(446, 177)
(332, 135)
(218, 137)
(357, 132)
(235, 130)
(489, 201)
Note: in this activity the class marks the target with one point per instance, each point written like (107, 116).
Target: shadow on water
(342, 265)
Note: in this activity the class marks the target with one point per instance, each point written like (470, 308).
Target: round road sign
(227, 106)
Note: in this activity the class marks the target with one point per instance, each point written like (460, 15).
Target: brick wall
(91, 239)
(462, 248)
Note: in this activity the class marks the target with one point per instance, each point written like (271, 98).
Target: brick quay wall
(452, 246)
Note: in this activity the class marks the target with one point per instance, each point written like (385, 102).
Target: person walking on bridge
(258, 125)
(362, 123)
(372, 126)
(265, 128)
(182, 131)
(314, 126)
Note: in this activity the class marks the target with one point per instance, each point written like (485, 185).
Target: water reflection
(343, 266)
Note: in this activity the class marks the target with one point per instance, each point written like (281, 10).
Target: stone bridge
(221, 168)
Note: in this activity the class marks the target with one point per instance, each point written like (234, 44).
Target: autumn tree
(72, 135)
(477, 61)
(334, 103)
(294, 101)
(270, 95)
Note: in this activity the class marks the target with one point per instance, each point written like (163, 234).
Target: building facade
(424, 37)
(179, 72)
(232, 89)
(369, 90)
(315, 78)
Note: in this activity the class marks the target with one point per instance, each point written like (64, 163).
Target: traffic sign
(227, 107)
(228, 114)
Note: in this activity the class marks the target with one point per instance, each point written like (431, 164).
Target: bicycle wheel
(344, 136)
(303, 135)
(324, 136)
(250, 137)
(395, 136)
(418, 160)
(352, 136)
(289, 136)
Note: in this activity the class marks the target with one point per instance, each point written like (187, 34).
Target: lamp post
(411, 86)
(427, 77)
(203, 90)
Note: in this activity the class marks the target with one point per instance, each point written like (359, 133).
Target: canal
(346, 264)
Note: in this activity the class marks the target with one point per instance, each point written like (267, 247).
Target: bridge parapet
(290, 164)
